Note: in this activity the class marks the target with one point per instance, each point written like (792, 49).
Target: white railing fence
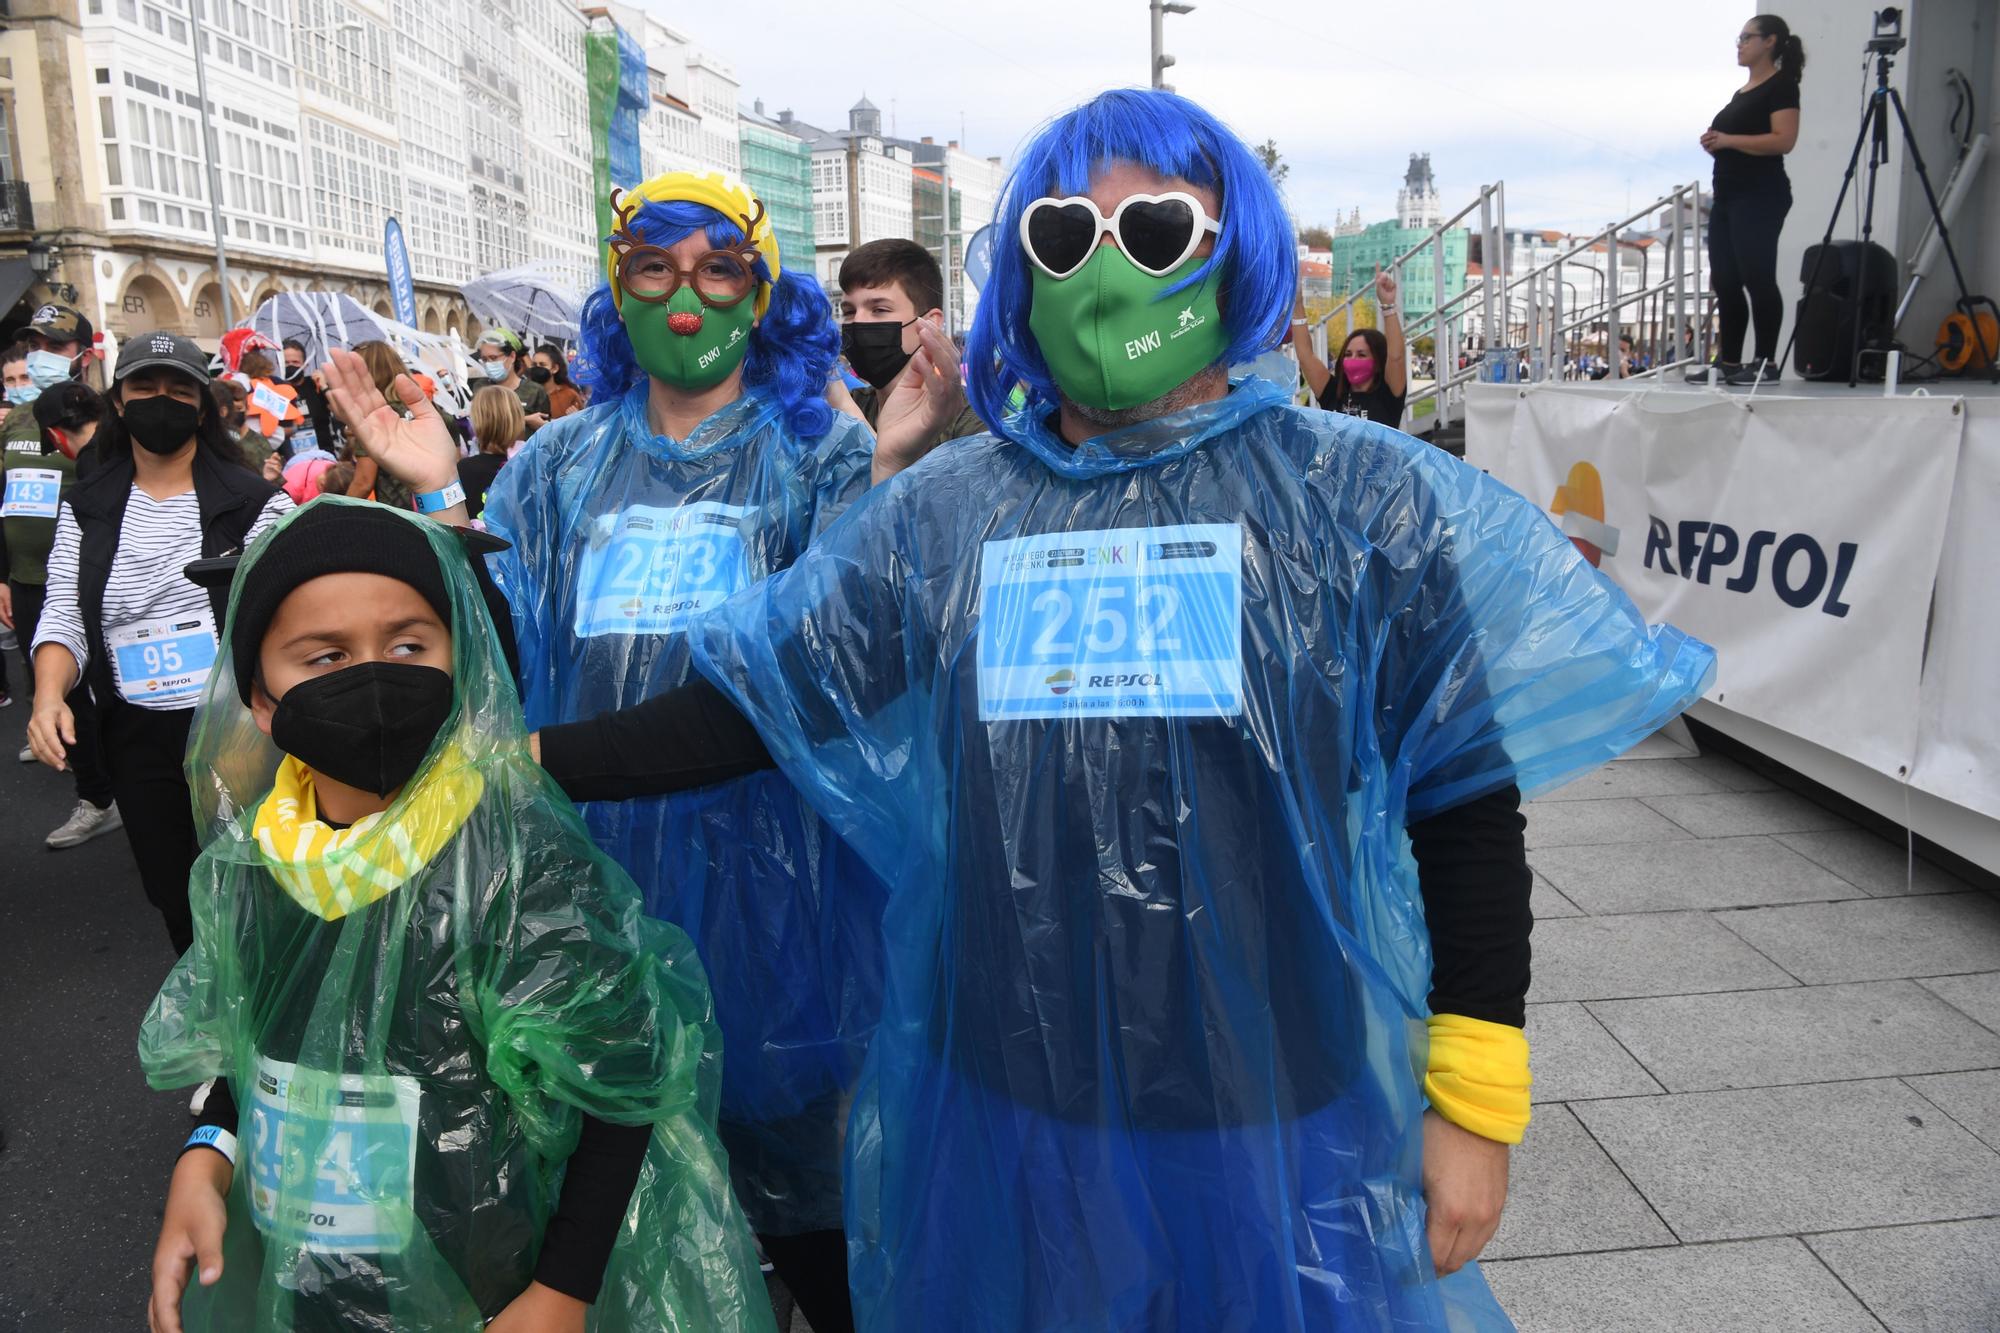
(1538, 324)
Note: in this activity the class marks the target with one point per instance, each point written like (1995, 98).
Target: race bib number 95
(657, 569)
(1123, 622)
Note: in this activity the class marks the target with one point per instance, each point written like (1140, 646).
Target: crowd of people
(1013, 837)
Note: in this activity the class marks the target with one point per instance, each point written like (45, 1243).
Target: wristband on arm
(213, 1136)
(1477, 1076)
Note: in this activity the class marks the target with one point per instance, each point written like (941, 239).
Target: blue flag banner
(396, 256)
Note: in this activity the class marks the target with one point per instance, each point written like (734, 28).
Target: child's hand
(1465, 1187)
(540, 1309)
(197, 1211)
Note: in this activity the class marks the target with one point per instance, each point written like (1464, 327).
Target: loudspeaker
(1827, 312)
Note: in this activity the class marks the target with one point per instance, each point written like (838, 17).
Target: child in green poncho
(461, 1078)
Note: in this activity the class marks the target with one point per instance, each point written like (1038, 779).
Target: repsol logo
(1126, 681)
(1138, 347)
(1801, 572)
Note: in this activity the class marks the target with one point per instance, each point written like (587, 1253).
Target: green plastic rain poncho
(412, 1052)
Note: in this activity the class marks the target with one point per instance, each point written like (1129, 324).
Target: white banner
(1799, 536)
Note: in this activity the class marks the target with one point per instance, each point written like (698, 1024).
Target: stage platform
(1840, 548)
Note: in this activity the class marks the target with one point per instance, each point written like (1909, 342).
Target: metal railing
(17, 210)
(1445, 321)
(1501, 318)
(1670, 327)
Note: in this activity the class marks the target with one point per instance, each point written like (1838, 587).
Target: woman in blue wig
(708, 460)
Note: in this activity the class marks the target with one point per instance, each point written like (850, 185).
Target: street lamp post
(208, 145)
(1160, 10)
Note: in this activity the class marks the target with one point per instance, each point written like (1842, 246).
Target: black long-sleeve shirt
(1472, 864)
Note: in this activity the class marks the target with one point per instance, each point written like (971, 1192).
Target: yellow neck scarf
(331, 872)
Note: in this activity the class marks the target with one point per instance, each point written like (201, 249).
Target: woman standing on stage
(1748, 140)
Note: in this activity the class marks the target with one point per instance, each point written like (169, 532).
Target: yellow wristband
(1477, 1076)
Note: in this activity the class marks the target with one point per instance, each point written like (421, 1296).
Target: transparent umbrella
(531, 300)
(320, 321)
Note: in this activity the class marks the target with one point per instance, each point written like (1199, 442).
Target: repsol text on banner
(1800, 570)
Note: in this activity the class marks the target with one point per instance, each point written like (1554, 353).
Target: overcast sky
(1577, 107)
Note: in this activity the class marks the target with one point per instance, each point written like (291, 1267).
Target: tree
(1267, 153)
(1316, 237)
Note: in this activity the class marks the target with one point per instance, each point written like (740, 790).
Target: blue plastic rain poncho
(620, 538)
(412, 1065)
(1133, 731)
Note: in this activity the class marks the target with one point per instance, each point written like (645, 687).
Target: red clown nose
(683, 322)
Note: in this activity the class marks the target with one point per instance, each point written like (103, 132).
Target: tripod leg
(1877, 155)
(1965, 299)
(1832, 221)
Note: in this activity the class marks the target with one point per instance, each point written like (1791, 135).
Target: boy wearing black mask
(891, 301)
(456, 1039)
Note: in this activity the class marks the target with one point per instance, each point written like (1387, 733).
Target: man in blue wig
(709, 460)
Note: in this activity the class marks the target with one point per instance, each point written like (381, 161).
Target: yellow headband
(728, 197)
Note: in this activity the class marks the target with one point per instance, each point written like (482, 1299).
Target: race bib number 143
(1122, 622)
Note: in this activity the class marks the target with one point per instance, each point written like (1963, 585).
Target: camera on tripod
(1888, 38)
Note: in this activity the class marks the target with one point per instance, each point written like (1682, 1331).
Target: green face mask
(698, 360)
(1111, 341)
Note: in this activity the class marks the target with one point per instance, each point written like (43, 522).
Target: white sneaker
(84, 823)
(200, 1098)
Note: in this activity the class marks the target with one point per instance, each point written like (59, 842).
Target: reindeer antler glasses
(646, 272)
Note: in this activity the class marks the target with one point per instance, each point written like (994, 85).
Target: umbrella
(320, 321)
(530, 300)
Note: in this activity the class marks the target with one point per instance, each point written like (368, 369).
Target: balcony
(17, 213)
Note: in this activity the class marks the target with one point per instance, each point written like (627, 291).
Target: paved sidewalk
(1767, 1068)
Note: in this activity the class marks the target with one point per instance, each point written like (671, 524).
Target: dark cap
(147, 351)
(68, 405)
(60, 323)
(330, 537)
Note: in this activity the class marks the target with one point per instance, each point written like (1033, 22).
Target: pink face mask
(1358, 369)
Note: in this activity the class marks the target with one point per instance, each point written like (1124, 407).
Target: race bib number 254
(1119, 622)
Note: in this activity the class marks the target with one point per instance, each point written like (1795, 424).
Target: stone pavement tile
(1570, 823)
(1807, 1034)
(1873, 938)
(1760, 1286)
(1573, 1057)
(1729, 773)
(1864, 857)
(1657, 953)
(1830, 1156)
(1940, 1278)
(1696, 873)
(1660, 745)
(1636, 777)
(1973, 1100)
(1977, 994)
(1545, 902)
(1564, 1196)
(1733, 814)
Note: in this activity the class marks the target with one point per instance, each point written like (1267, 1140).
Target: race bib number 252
(1119, 622)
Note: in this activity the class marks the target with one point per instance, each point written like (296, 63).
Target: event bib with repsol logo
(1120, 622)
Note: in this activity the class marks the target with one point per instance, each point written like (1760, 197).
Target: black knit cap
(329, 539)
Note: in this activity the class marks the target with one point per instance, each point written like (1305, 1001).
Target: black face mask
(540, 374)
(292, 373)
(160, 424)
(875, 350)
(368, 726)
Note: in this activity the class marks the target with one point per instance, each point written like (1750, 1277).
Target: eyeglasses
(1743, 37)
(1157, 232)
(720, 278)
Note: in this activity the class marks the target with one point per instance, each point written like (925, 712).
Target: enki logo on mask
(1138, 347)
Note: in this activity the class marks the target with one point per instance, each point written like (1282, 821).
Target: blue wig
(1255, 253)
(792, 349)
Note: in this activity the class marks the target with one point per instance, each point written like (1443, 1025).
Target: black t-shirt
(1749, 112)
(1376, 403)
(476, 474)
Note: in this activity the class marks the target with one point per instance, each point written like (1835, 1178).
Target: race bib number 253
(1120, 622)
